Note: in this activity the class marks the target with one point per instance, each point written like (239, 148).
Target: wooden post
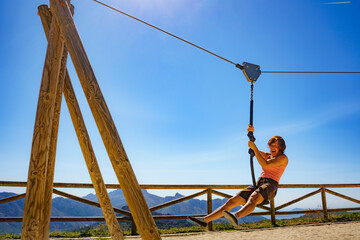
(121, 164)
(323, 198)
(33, 220)
(85, 144)
(54, 131)
(272, 212)
(91, 162)
(209, 207)
(133, 227)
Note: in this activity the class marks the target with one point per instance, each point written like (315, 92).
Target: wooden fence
(207, 190)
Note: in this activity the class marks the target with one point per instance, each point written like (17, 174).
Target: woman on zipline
(273, 166)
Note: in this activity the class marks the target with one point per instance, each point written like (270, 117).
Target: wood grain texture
(45, 15)
(123, 170)
(91, 162)
(33, 220)
(85, 144)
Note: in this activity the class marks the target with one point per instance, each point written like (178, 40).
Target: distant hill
(66, 207)
(60, 207)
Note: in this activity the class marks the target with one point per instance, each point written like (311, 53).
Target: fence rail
(208, 190)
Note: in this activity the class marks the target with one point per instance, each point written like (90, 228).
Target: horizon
(181, 113)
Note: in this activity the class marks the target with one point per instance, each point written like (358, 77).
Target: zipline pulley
(251, 71)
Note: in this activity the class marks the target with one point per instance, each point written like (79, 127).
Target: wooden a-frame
(63, 37)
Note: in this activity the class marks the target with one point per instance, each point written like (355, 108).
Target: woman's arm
(264, 154)
(281, 160)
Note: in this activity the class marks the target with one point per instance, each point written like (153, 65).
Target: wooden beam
(180, 186)
(297, 199)
(13, 198)
(45, 15)
(179, 200)
(121, 164)
(221, 194)
(91, 162)
(89, 202)
(346, 185)
(171, 217)
(85, 144)
(263, 207)
(342, 196)
(33, 222)
(100, 219)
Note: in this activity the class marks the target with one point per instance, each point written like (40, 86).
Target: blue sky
(182, 113)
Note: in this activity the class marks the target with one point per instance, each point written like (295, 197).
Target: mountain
(60, 207)
(192, 206)
(66, 207)
(13, 209)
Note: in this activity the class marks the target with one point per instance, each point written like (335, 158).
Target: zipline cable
(251, 78)
(137, 19)
(310, 72)
(201, 48)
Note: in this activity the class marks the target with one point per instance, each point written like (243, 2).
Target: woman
(273, 166)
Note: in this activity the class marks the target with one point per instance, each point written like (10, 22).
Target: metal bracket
(251, 71)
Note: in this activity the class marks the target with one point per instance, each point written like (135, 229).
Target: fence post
(209, 207)
(272, 212)
(323, 198)
(133, 227)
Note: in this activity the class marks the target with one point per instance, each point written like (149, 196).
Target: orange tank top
(274, 173)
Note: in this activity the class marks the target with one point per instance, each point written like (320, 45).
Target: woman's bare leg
(255, 199)
(230, 204)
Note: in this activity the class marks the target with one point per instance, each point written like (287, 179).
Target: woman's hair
(281, 142)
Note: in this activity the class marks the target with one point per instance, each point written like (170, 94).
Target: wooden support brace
(121, 164)
(342, 196)
(13, 198)
(33, 220)
(91, 162)
(85, 143)
(50, 169)
(179, 200)
(221, 194)
(87, 201)
(263, 207)
(298, 199)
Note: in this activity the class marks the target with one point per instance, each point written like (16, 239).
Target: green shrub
(10, 236)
